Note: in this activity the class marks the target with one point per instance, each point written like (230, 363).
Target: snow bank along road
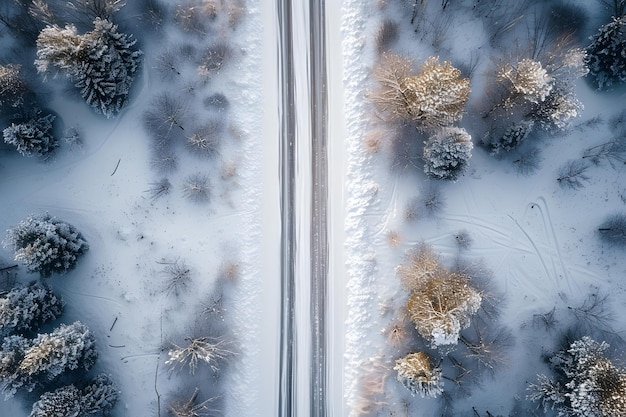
(303, 374)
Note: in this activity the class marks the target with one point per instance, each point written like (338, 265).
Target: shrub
(46, 244)
(191, 406)
(27, 364)
(26, 308)
(102, 63)
(418, 375)
(447, 153)
(606, 58)
(33, 137)
(217, 101)
(433, 98)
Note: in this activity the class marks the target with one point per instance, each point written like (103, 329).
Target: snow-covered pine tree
(33, 137)
(512, 136)
(606, 55)
(26, 308)
(418, 375)
(99, 395)
(62, 402)
(12, 86)
(46, 244)
(97, 398)
(558, 109)
(28, 363)
(447, 153)
(102, 63)
(589, 384)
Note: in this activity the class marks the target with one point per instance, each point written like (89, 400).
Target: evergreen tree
(588, 383)
(26, 364)
(102, 63)
(447, 153)
(33, 137)
(606, 55)
(26, 308)
(97, 398)
(12, 86)
(46, 244)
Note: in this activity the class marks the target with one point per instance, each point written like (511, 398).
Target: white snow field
(228, 244)
(538, 242)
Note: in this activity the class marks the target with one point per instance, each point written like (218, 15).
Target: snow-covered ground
(538, 241)
(229, 243)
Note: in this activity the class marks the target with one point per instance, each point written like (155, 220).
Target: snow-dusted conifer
(33, 137)
(447, 153)
(418, 375)
(590, 384)
(28, 363)
(46, 244)
(12, 86)
(101, 63)
(97, 398)
(512, 136)
(62, 402)
(26, 308)
(558, 109)
(606, 55)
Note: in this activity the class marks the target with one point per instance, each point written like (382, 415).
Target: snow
(539, 240)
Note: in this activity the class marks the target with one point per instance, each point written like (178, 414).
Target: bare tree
(197, 188)
(198, 350)
(177, 276)
(159, 189)
(191, 407)
(572, 174)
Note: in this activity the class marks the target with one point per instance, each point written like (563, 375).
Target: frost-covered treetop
(529, 79)
(418, 375)
(437, 95)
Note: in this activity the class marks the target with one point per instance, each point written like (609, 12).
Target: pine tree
(26, 308)
(102, 63)
(12, 86)
(46, 244)
(33, 137)
(512, 137)
(97, 398)
(447, 153)
(606, 55)
(27, 364)
(588, 383)
(418, 375)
